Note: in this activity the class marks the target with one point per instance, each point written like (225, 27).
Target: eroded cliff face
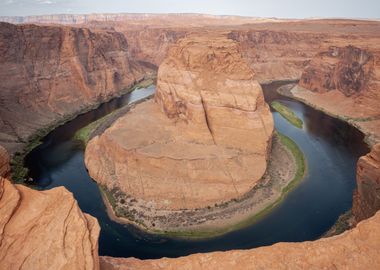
(348, 70)
(49, 73)
(344, 82)
(193, 146)
(45, 230)
(367, 195)
(4, 162)
(358, 248)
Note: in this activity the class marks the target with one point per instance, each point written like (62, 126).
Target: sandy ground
(214, 220)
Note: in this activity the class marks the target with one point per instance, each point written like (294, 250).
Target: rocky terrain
(355, 249)
(367, 195)
(348, 76)
(52, 73)
(44, 229)
(191, 147)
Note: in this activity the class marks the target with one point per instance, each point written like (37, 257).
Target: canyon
(50, 73)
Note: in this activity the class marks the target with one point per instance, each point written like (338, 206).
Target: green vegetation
(299, 158)
(300, 172)
(18, 170)
(287, 113)
(344, 223)
(84, 134)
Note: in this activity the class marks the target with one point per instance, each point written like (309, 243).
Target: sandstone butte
(204, 140)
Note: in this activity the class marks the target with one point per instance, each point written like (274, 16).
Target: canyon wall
(367, 195)
(4, 162)
(348, 76)
(345, 82)
(44, 229)
(49, 73)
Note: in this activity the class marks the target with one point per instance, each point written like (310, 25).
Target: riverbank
(285, 170)
(19, 171)
(370, 127)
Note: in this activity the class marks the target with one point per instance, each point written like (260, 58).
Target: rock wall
(344, 82)
(348, 76)
(367, 195)
(45, 230)
(277, 55)
(345, 69)
(4, 162)
(49, 73)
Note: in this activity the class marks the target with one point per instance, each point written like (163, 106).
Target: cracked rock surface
(204, 139)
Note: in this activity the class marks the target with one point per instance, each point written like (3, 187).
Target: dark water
(331, 148)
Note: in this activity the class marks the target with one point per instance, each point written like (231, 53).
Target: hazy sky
(259, 8)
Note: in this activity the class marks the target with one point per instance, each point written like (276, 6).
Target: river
(331, 148)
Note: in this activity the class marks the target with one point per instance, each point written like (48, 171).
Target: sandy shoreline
(216, 220)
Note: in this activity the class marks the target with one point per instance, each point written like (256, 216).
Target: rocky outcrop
(348, 76)
(45, 230)
(4, 162)
(193, 146)
(50, 73)
(348, 70)
(367, 195)
(358, 248)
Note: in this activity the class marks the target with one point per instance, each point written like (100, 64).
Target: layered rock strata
(4, 162)
(344, 82)
(367, 195)
(45, 230)
(358, 248)
(50, 73)
(204, 140)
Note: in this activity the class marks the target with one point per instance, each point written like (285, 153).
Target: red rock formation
(4, 162)
(348, 70)
(344, 82)
(367, 195)
(45, 230)
(200, 151)
(356, 249)
(50, 73)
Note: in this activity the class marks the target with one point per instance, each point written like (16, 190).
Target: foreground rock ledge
(45, 230)
(356, 249)
(204, 140)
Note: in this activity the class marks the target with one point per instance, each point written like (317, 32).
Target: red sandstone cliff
(344, 82)
(44, 229)
(367, 195)
(49, 73)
